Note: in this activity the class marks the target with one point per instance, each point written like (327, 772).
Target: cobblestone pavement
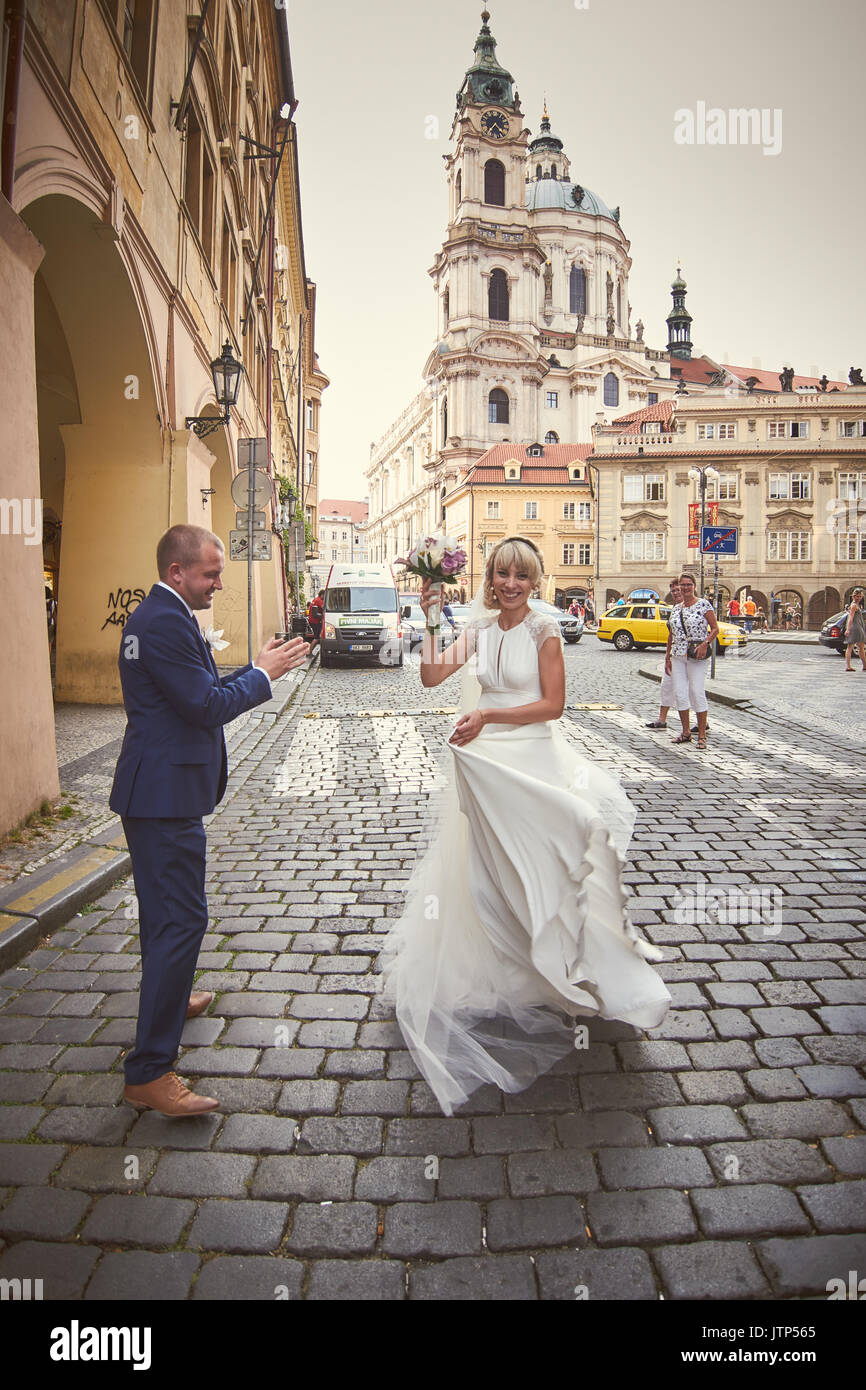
(722, 1155)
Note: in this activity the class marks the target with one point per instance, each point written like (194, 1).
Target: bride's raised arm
(437, 665)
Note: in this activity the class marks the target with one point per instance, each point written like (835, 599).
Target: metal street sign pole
(251, 502)
(715, 608)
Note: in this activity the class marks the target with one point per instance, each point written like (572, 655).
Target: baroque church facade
(535, 336)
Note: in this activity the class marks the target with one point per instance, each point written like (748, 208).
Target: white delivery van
(362, 616)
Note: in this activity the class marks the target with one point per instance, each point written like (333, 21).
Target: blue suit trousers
(168, 864)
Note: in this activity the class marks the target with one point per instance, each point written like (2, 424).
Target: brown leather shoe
(169, 1096)
(198, 1002)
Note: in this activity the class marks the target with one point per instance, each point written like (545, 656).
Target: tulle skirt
(515, 922)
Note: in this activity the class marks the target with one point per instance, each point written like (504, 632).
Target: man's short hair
(183, 545)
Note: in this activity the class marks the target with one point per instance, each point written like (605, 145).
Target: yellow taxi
(646, 625)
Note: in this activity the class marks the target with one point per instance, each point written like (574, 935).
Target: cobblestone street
(721, 1156)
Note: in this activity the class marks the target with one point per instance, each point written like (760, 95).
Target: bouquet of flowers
(440, 559)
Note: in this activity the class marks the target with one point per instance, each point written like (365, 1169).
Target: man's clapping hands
(277, 657)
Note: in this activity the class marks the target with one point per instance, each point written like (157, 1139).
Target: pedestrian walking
(855, 630)
(761, 620)
(774, 608)
(589, 610)
(734, 610)
(691, 629)
(666, 695)
(750, 609)
(316, 619)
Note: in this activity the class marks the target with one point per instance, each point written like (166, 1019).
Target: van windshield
(359, 598)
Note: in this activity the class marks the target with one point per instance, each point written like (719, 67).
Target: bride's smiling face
(512, 587)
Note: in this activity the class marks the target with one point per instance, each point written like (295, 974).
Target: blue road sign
(719, 540)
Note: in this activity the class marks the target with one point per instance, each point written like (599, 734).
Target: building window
(133, 20)
(530, 511)
(577, 290)
(198, 188)
(446, 308)
(497, 407)
(334, 555)
(652, 397)
(538, 171)
(852, 486)
(789, 545)
(788, 429)
(494, 183)
(643, 545)
(551, 437)
(228, 272)
(568, 553)
(553, 171)
(611, 389)
(345, 536)
(308, 471)
(725, 488)
(492, 511)
(619, 302)
(851, 429)
(553, 400)
(724, 430)
(793, 487)
(644, 487)
(584, 511)
(851, 545)
(497, 296)
(584, 554)
(459, 187)
(333, 535)
(568, 511)
(309, 415)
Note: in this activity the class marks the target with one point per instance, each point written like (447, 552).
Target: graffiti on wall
(120, 604)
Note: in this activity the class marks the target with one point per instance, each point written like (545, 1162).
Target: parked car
(645, 625)
(415, 625)
(570, 627)
(832, 634)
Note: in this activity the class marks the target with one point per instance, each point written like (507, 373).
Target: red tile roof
(661, 411)
(554, 466)
(356, 511)
(701, 369)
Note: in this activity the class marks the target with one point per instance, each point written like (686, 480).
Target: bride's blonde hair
(514, 550)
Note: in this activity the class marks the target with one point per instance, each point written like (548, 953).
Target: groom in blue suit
(172, 770)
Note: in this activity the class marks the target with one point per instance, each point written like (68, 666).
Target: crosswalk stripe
(310, 765)
(407, 764)
(629, 766)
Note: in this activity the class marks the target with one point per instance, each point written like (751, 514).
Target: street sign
(260, 521)
(719, 540)
(239, 548)
(260, 482)
(252, 452)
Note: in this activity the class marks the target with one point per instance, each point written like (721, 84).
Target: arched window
(553, 171)
(577, 289)
(619, 302)
(497, 296)
(611, 389)
(494, 183)
(446, 307)
(444, 422)
(459, 187)
(538, 171)
(497, 407)
(551, 437)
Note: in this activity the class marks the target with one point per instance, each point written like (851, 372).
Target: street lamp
(700, 476)
(226, 373)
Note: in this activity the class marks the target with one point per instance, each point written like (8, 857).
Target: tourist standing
(692, 628)
(855, 630)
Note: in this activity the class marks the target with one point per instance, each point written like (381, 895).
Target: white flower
(213, 637)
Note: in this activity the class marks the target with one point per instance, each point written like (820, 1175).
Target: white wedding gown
(515, 921)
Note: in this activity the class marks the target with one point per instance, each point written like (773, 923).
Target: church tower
(488, 273)
(679, 321)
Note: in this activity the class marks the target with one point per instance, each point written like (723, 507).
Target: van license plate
(361, 647)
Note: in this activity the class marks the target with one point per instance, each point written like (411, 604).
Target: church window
(497, 407)
(611, 389)
(553, 171)
(551, 437)
(552, 400)
(619, 302)
(577, 289)
(444, 422)
(459, 188)
(538, 171)
(652, 398)
(497, 296)
(446, 306)
(494, 183)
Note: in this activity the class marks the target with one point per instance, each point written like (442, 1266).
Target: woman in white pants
(692, 627)
(666, 696)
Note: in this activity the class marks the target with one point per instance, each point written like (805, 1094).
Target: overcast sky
(772, 245)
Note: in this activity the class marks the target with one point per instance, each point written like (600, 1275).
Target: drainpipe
(16, 21)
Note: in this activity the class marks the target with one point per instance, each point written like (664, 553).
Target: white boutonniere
(213, 637)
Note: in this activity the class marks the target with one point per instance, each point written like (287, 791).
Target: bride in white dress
(515, 922)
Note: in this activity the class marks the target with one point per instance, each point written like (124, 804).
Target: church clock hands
(493, 123)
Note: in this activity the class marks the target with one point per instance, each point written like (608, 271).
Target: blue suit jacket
(173, 759)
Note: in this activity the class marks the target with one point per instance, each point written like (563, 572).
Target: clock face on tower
(493, 123)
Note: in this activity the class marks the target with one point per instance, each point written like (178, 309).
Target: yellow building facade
(155, 209)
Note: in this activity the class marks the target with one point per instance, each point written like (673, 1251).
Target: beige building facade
(147, 204)
(787, 470)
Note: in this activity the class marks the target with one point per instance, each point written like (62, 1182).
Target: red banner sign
(712, 515)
